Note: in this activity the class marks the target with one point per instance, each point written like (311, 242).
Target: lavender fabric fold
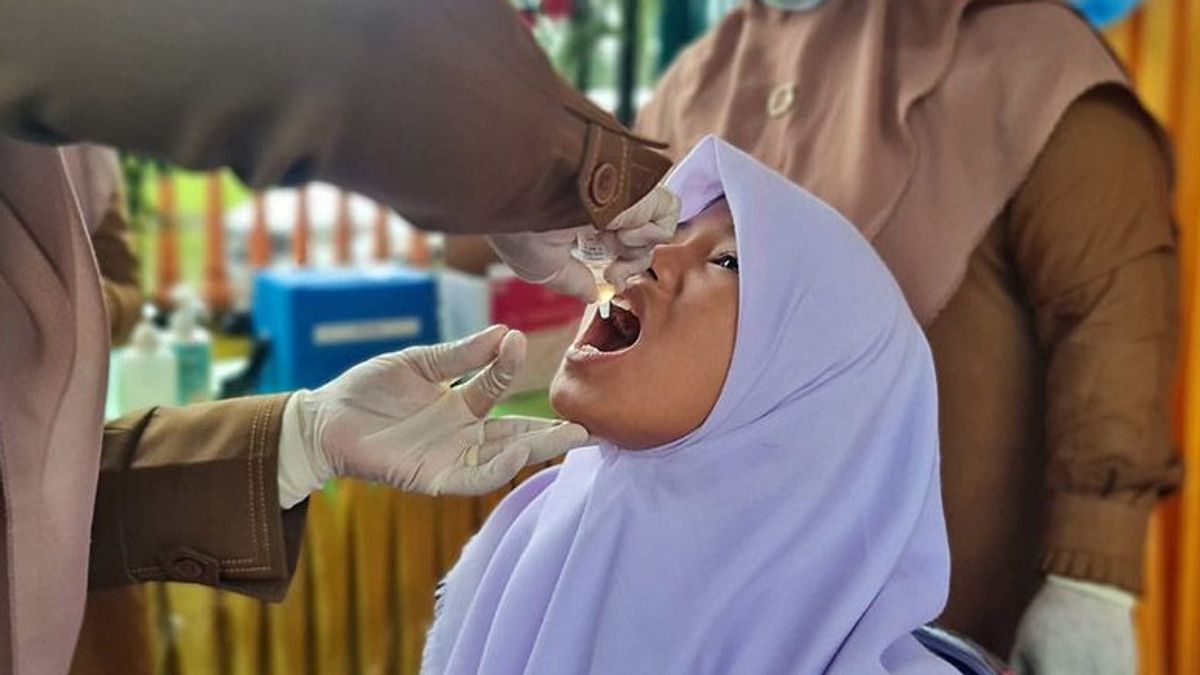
(797, 530)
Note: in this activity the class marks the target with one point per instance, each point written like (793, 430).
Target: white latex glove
(1075, 627)
(395, 419)
(545, 257)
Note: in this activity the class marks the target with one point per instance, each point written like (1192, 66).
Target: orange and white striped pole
(343, 231)
(217, 292)
(302, 226)
(167, 276)
(259, 247)
(382, 249)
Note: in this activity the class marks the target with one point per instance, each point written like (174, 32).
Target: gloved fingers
(574, 279)
(536, 257)
(522, 252)
(648, 234)
(482, 392)
(478, 480)
(500, 428)
(652, 220)
(542, 440)
(449, 361)
(619, 272)
(546, 444)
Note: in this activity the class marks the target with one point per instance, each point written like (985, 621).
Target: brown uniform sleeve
(191, 494)
(1092, 237)
(448, 111)
(118, 270)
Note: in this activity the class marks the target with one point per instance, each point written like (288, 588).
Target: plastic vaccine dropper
(592, 252)
(146, 372)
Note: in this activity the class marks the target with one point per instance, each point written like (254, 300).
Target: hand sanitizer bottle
(145, 371)
(192, 347)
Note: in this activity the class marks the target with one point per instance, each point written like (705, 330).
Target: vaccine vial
(592, 252)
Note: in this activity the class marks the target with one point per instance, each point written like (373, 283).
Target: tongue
(617, 332)
(621, 331)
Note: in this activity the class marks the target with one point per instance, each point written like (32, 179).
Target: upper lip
(634, 299)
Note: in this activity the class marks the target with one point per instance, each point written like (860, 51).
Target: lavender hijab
(798, 530)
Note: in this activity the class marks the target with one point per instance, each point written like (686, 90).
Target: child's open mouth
(608, 338)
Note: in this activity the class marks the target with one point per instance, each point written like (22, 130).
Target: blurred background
(236, 267)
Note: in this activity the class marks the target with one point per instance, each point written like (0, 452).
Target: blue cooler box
(319, 322)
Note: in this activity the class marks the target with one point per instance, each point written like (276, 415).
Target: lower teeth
(589, 349)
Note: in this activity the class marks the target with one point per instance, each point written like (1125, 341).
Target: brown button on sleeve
(603, 184)
(185, 564)
(191, 494)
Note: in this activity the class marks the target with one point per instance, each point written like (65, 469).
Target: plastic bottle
(192, 347)
(144, 373)
(592, 252)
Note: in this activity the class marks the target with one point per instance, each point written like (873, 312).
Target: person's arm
(118, 265)
(448, 111)
(1092, 236)
(191, 494)
(213, 493)
(95, 175)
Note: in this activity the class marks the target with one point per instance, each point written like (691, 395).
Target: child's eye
(727, 261)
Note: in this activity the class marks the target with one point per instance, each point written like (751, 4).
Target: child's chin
(604, 416)
(568, 399)
(578, 401)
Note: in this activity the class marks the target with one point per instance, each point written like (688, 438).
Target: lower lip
(580, 356)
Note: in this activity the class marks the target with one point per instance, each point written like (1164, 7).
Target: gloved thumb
(574, 279)
(485, 389)
(451, 360)
(620, 270)
(652, 220)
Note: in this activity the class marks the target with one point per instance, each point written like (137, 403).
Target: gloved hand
(1074, 627)
(395, 419)
(545, 257)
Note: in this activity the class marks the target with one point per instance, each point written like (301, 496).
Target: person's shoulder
(1107, 131)
(1034, 31)
(692, 68)
(713, 47)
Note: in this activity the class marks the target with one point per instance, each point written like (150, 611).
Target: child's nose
(668, 263)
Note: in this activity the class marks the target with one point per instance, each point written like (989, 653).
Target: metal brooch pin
(781, 99)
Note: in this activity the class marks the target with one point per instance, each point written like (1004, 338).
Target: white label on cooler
(371, 330)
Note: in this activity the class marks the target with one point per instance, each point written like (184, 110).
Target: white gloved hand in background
(545, 257)
(1074, 627)
(396, 419)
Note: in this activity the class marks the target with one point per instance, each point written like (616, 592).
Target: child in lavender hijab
(765, 498)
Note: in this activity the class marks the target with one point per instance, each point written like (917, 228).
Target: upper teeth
(623, 303)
